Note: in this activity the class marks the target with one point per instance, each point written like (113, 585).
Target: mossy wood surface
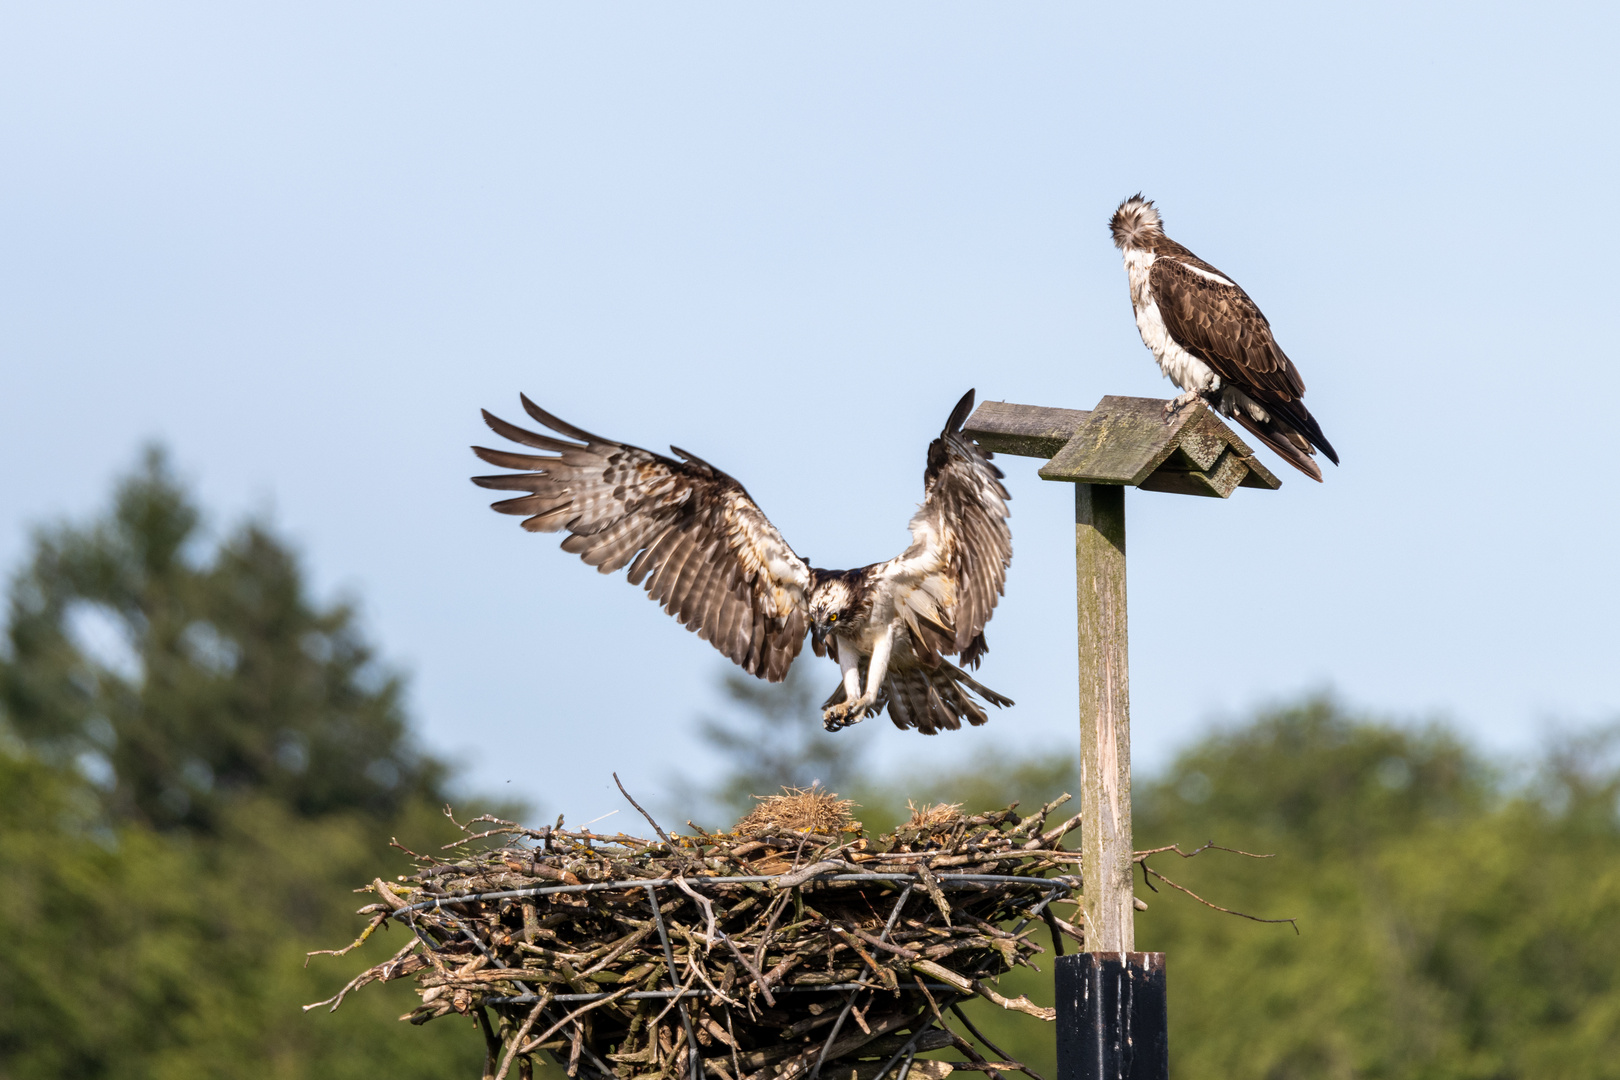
(1105, 717)
(1126, 440)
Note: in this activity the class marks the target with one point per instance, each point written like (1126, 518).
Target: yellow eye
(833, 617)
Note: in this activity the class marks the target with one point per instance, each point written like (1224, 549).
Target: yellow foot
(1176, 404)
(842, 715)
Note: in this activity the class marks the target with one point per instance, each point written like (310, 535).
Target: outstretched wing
(1214, 319)
(950, 578)
(689, 533)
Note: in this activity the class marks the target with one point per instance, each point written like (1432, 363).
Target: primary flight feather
(700, 546)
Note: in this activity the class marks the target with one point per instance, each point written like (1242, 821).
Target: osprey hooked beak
(820, 628)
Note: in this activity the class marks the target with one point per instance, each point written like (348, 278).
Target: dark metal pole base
(1111, 1017)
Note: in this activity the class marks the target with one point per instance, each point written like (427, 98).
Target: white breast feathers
(1180, 366)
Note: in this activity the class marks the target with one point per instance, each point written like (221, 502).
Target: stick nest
(841, 955)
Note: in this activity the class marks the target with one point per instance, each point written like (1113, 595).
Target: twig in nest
(492, 1045)
(1050, 919)
(777, 907)
(369, 975)
(393, 842)
(994, 1068)
(535, 1042)
(662, 835)
(956, 1011)
(966, 984)
(708, 910)
(376, 921)
(1057, 922)
(522, 1033)
(975, 1060)
(759, 980)
(486, 834)
(676, 999)
(1242, 915)
(933, 1006)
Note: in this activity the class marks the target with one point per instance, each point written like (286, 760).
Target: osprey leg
(855, 709)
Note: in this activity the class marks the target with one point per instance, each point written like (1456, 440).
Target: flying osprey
(703, 549)
(1212, 341)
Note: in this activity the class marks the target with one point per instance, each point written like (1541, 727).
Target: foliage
(1453, 924)
(1455, 921)
(246, 775)
(197, 761)
(190, 678)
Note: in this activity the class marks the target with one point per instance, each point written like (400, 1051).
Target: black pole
(1111, 1017)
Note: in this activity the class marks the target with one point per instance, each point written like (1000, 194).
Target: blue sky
(303, 244)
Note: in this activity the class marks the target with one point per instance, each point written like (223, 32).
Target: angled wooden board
(1126, 440)
(1023, 430)
(1122, 442)
(1209, 460)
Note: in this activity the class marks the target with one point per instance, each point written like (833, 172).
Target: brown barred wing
(1224, 328)
(956, 568)
(689, 533)
(1217, 322)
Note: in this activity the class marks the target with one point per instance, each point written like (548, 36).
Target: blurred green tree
(1456, 920)
(185, 678)
(198, 763)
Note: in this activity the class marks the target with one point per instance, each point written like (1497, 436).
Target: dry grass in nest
(934, 816)
(800, 810)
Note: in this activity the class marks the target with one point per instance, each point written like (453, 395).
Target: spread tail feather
(1276, 435)
(930, 701)
(1297, 415)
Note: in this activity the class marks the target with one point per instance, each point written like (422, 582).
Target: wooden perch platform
(1125, 440)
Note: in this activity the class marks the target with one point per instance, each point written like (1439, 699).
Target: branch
(534, 1044)
(522, 1033)
(956, 1010)
(1254, 918)
(967, 985)
(376, 921)
(759, 979)
(1208, 845)
(662, 835)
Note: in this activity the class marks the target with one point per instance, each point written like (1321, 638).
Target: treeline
(1455, 920)
(198, 763)
(197, 766)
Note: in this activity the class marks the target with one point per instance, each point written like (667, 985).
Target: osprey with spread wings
(701, 547)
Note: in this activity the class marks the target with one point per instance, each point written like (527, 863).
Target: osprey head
(1135, 222)
(832, 608)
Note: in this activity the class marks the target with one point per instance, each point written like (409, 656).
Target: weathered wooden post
(1111, 998)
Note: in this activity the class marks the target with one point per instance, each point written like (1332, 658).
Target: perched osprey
(701, 547)
(1212, 341)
